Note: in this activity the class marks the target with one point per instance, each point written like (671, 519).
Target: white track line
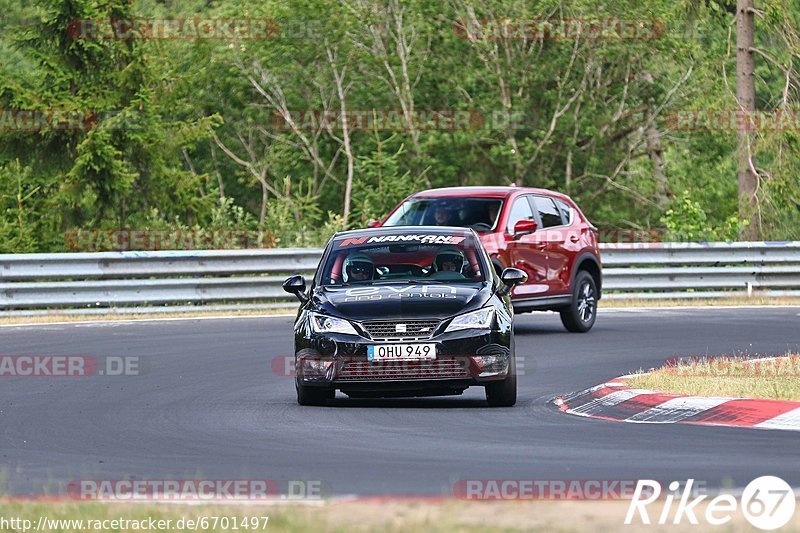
(788, 420)
(590, 408)
(677, 409)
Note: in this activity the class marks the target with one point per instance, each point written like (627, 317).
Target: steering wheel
(481, 226)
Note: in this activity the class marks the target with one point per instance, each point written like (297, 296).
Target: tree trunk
(655, 152)
(348, 150)
(746, 97)
(262, 214)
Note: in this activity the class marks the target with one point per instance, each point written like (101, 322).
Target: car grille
(388, 329)
(399, 370)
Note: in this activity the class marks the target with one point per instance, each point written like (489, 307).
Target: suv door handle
(574, 238)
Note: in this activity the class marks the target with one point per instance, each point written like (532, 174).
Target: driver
(359, 267)
(449, 259)
(443, 216)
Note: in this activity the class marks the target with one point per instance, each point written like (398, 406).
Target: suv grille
(400, 329)
(400, 370)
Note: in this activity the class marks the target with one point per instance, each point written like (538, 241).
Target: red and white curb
(616, 401)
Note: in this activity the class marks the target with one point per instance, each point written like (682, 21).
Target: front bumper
(463, 358)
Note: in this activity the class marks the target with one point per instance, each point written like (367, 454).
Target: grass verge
(774, 378)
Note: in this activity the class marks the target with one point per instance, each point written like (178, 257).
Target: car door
(526, 251)
(553, 236)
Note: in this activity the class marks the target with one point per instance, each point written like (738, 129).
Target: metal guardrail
(701, 270)
(109, 265)
(107, 282)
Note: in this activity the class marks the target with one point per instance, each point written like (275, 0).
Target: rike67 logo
(767, 502)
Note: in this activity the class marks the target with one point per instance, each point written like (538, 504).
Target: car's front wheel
(313, 395)
(582, 311)
(504, 393)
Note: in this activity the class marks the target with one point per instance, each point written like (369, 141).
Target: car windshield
(406, 257)
(479, 214)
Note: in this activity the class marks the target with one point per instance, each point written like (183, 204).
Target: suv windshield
(406, 257)
(479, 214)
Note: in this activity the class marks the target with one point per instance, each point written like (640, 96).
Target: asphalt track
(208, 404)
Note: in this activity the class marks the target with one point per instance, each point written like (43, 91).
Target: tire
(504, 393)
(582, 311)
(313, 395)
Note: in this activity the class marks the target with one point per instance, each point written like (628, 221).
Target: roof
(404, 230)
(480, 192)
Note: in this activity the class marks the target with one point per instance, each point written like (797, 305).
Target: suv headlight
(480, 319)
(330, 324)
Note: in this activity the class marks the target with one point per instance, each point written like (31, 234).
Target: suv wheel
(582, 312)
(504, 393)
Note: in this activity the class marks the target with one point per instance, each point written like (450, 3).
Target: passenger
(494, 209)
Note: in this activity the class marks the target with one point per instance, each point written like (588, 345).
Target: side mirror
(511, 277)
(373, 223)
(524, 227)
(296, 285)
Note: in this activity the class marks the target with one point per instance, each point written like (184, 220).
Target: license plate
(401, 352)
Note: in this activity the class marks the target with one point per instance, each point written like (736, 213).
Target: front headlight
(480, 319)
(329, 324)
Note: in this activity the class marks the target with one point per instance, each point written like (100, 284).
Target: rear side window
(566, 210)
(548, 212)
(520, 210)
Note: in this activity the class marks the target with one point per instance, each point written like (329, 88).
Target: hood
(401, 300)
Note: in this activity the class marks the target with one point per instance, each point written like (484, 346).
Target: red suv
(539, 231)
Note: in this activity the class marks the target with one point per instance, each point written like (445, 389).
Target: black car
(405, 311)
